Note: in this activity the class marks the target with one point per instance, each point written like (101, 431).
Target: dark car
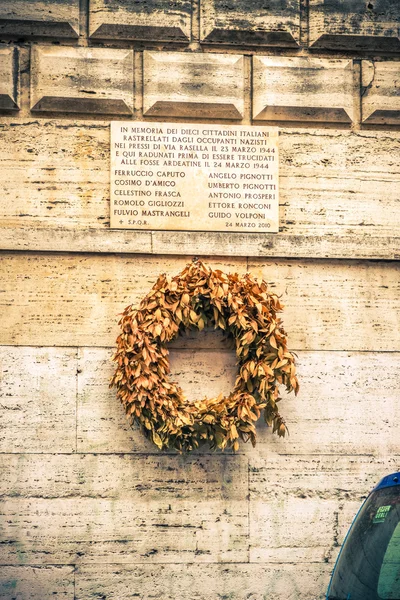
(368, 566)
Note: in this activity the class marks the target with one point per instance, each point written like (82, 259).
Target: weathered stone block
(380, 92)
(355, 24)
(9, 80)
(353, 283)
(235, 581)
(342, 420)
(202, 85)
(283, 530)
(85, 293)
(78, 291)
(157, 20)
(335, 414)
(124, 509)
(93, 80)
(340, 476)
(302, 89)
(101, 422)
(255, 23)
(54, 18)
(37, 399)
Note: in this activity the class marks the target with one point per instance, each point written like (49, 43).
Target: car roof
(388, 481)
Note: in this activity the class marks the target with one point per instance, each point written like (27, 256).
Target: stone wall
(90, 510)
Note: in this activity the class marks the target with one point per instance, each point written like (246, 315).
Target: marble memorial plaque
(191, 177)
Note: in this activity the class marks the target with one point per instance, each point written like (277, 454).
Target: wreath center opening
(203, 364)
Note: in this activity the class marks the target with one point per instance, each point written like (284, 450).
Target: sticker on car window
(381, 514)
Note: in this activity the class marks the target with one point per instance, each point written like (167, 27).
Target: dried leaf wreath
(196, 298)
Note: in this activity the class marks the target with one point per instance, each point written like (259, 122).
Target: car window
(389, 577)
(368, 567)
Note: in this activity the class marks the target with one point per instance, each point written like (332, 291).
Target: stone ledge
(380, 94)
(355, 25)
(34, 18)
(9, 78)
(92, 80)
(203, 86)
(157, 20)
(239, 22)
(41, 239)
(302, 89)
